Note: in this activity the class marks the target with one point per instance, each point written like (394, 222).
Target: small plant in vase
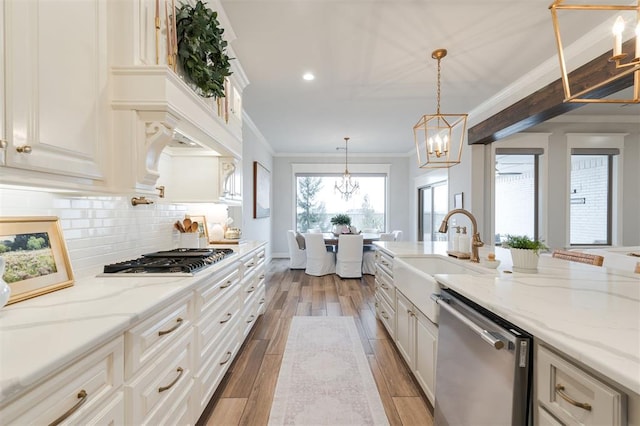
(341, 224)
(525, 252)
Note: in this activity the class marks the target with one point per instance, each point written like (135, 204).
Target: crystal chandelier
(347, 187)
(439, 137)
(624, 59)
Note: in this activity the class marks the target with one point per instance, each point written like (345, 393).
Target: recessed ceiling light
(308, 76)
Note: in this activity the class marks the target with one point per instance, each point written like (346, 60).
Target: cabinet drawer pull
(261, 256)
(384, 315)
(384, 287)
(226, 360)
(251, 318)
(227, 284)
(229, 315)
(82, 396)
(250, 265)
(261, 277)
(3, 144)
(251, 289)
(24, 149)
(163, 332)
(583, 405)
(180, 371)
(261, 301)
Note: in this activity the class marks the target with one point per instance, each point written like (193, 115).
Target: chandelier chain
(438, 92)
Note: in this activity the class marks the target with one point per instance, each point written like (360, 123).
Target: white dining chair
(349, 256)
(319, 260)
(297, 254)
(387, 236)
(397, 235)
(369, 259)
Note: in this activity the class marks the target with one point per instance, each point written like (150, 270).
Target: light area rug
(325, 378)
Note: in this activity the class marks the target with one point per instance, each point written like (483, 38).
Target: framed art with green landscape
(35, 256)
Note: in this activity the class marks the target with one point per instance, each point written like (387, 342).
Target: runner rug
(325, 378)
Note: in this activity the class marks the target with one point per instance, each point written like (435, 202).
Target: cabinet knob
(24, 149)
(3, 144)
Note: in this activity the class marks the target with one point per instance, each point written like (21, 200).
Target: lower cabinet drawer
(156, 387)
(151, 337)
(575, 396)
(75, 395)
(212, 369)
(387, 315)
(215, 324)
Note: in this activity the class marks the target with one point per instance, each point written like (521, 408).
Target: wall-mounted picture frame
(35, 255)
(458, 200)
(203, 230)
(261, 191)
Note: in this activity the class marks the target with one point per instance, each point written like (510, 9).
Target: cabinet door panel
(405, 329)
(56, 85)
(426, 351)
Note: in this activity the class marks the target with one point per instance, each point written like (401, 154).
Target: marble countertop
(590, 313)
(40, 336)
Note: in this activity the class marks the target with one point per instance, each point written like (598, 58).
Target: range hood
(154, 108)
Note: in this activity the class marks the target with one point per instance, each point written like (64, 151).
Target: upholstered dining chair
(297, 254)
(387, 237)
(319, 260)
(349, 256)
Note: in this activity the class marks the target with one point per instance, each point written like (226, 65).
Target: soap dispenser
(456, 239)
(465, 242)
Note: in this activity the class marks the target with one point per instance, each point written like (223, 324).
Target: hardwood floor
(244, 397)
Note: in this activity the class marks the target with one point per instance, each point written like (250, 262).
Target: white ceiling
(372, 60)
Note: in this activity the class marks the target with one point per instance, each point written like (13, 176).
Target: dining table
(331, 239)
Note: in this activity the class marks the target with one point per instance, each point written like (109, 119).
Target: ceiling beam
(548, 102)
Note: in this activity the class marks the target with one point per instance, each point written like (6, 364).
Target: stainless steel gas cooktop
(181, 262)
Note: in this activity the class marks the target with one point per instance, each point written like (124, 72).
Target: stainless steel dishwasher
(483, 369)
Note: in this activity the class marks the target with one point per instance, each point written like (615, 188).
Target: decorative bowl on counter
(232, 233)
(491, 264)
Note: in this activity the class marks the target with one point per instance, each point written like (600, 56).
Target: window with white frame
(317, 201)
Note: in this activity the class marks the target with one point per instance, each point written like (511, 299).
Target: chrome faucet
(475, 239)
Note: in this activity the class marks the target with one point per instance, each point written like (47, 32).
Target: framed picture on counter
(202, 225)
(35, 256)
(261, 191)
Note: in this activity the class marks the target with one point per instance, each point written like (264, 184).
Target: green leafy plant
(523, 242)
(202, 49)
(341, 219)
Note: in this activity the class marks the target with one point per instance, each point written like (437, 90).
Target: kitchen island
(139, 319)
(589, 314)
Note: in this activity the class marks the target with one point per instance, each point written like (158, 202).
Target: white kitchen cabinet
(90, 390)
(385, 292)
(573, 395)
(55, 93)
(426, 350)
(230, 180)
(416, 339)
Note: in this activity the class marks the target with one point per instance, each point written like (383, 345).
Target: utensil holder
(189, 240)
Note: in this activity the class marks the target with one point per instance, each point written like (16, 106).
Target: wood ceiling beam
(548, 102)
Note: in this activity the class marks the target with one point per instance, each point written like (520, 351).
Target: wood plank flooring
(244, 397)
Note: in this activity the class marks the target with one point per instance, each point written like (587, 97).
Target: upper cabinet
(54, 121)
(89, 98)
(151, 101)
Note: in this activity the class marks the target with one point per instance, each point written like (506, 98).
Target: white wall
(399, 213)
(255, 148)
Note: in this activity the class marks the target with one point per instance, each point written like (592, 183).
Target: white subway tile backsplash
(100, 229)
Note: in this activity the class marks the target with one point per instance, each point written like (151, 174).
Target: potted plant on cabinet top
(525, 252)
(341, 224)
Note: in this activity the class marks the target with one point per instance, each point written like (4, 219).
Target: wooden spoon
(194, 227)
(178, 225)
(187, 224)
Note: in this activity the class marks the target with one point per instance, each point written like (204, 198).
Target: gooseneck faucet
(475, 239)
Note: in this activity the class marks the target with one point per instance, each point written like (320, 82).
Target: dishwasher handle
(484, 334)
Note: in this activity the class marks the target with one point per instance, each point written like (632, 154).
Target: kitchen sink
(414, 278)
